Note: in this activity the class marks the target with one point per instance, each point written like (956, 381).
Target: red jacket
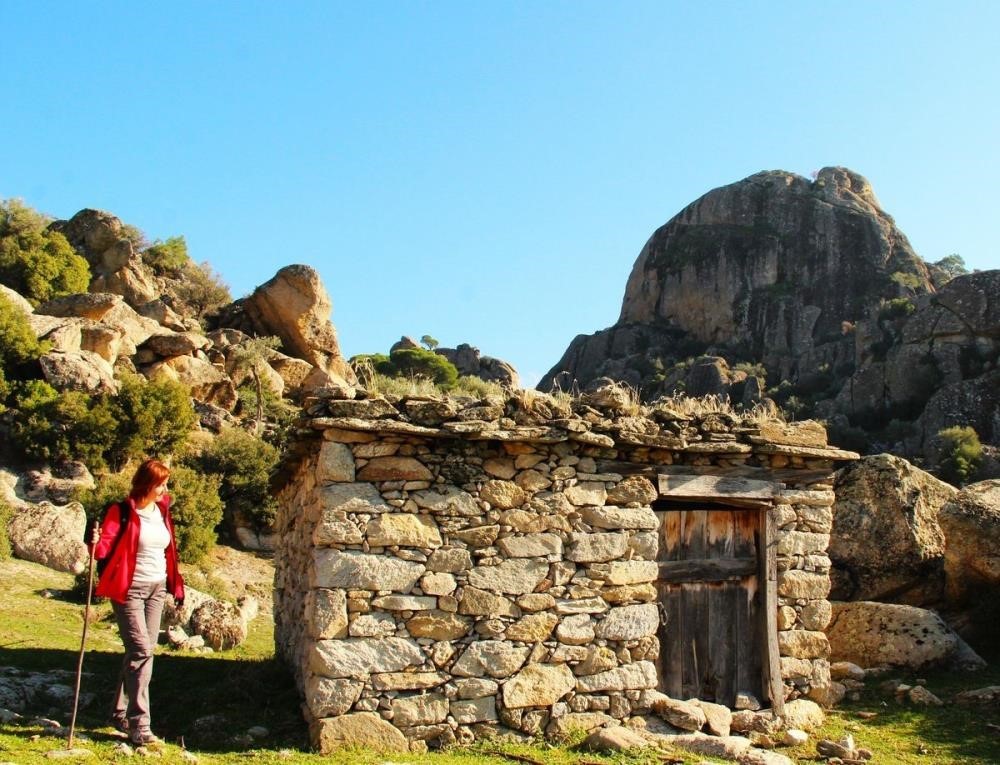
(117, 576)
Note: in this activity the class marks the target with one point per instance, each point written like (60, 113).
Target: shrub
(153, 418)
(6, 513)
(244, 464)
(168, 257)
(202, 290)
(897, 308)
(57, 427)
(960, 454)
(18, 343)
(197, 510)
(420, 363)
(38, 263)
(907, 280)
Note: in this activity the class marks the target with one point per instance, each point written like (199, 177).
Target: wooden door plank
(671, 639)
(719, 531)
(693, 534)
(721, 629)
(700, 639)
(768, 576)
(670, 535)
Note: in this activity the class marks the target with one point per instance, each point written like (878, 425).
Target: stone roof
(607, 418)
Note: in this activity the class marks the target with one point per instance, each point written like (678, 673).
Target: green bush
(143, 418)
(420, 363)
(197, 510)
(18, 344)
(56, 427)
(960, 454)
(168, 257)
(6, 512)
(244, 464)
(38, 263)
(153, 418)
(897, 308)
(279, 414)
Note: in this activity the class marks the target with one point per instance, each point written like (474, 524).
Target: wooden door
(713, 634)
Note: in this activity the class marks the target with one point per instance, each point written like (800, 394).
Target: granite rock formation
(809, 289)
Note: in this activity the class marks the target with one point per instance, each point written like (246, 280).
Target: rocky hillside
(807, 292)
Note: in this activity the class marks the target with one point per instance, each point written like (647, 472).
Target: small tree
(953, 265)
(960, 455)
(202, 290)
(58, 427)
(251, 357)
(430, 342)
(244, 464)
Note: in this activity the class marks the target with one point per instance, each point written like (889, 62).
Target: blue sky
(487, 172)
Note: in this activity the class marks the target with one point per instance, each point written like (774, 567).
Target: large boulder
(886, 543)
(50, 535)
(887, 634)
(295, 307)
(207, 383)
(78, 370)
(971, 525)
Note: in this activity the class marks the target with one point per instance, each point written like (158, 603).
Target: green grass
(246, 687)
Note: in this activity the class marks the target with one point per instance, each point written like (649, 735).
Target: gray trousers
(139, 624)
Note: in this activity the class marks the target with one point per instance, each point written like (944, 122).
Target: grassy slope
(246, 687)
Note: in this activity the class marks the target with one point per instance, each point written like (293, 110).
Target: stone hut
(451, 568)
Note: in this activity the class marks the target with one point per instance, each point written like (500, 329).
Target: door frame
(753, 495)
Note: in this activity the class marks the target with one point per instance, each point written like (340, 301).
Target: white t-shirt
(151, 558)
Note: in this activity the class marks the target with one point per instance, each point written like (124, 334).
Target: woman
(138, 550)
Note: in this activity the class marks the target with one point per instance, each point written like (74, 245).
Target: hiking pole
(83, 639)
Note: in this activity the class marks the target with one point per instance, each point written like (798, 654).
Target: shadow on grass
(208, 700)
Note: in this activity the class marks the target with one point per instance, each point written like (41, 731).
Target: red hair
(150, 474)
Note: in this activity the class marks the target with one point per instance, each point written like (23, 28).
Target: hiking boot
(144, 738)
(120, 724)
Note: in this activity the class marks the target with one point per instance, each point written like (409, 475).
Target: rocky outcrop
(768, 269)
(813, 282)
(468, 361)
(971, 523)
(295, 307)
(116, 267)
(886, 543)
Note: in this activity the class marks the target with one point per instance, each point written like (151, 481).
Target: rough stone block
(361, 571)
(516, 576)
(538, 685)
(403, 530)
(336, 463)
(357, 657)
(363, 730)
(596, 548)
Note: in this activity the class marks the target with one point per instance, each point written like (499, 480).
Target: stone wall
(440, 581)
